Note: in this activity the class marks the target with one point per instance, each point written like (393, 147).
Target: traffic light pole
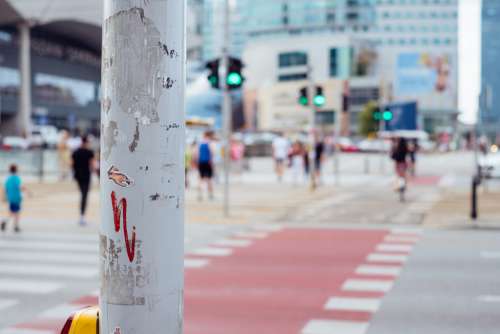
(227, 109)
(312, 122)
(142, 167)
(338, 150)
(381, 127)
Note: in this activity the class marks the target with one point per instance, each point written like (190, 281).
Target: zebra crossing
(37, 268)
(41, 272)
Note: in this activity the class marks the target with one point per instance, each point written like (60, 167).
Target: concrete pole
(142, 167)
(23, 118)
(226, 108)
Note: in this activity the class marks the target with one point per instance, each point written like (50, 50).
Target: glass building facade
(490, 69)
(392, 23)
(65, 81)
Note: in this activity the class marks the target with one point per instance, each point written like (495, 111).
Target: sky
(469, 58)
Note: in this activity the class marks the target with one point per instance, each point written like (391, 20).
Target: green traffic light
(387, 116)
(319, 100)
(303, 100)
(377, 115)
(234, 79)
(213, 80)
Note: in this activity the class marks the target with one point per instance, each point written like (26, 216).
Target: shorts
(15, 207)
(205, 169)
(279, 161)
(317, 165)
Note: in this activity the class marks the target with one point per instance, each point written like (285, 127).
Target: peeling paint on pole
(142, 156)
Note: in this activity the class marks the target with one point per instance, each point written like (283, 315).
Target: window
(9, 80)
(290, 59)
(65, 91)
(334, 63)
(292, 77)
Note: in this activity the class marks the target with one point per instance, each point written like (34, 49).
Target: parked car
(15, 143)
(374, 145)
(347, 145)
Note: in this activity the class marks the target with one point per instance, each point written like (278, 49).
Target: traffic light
(319, 98)
(377, 115)
(234, 78)
(303, 97)
(387, 115)
(213, 73)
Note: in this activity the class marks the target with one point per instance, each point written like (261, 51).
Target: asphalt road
(451, 284)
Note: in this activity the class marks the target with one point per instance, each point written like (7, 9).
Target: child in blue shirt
(14, 197)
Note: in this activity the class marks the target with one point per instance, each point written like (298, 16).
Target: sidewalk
(55, 206)
(453, 210)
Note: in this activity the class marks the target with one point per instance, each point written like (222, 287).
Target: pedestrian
(399, 154)
(14, 197)
(189, 157)
(64, 155)
(412, 154)
(206, 152)
(237, 153)
(83, 166)
(319, 153)
(281, 149)
(296, 161)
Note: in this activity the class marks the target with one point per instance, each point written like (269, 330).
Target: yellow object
(85, 321)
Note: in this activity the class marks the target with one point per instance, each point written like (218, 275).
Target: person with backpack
(206, 165)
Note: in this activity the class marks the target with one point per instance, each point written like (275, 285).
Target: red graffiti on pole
(119, 212)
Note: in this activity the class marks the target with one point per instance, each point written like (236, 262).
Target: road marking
(378, 270)
(353, 304)
(367, 285)
(396, 248)
(6, 303)
(268, 228)
(233, 243)
(334, 326)
(24, 331)
(29, 287)
(35, 236)
(9, 255)
(490, 255)
(489, 299)
(46, 245)
(391, 258)
(400, 238)
(195, 263)
(50, 270)
(251, 235)
(61, 312)
(212, 251)
(406, 231)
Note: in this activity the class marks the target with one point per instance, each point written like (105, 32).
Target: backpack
(205, 155)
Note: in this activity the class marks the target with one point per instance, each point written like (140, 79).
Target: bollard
(474, 208)
(85, 321)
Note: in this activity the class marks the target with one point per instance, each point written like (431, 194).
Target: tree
(367, 123)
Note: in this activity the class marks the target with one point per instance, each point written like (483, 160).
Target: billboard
(423, 74)
(404, 116)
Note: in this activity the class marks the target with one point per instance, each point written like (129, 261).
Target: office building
(489, 118)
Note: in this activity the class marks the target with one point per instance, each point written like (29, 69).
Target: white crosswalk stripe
(28, 286)
(41, 264)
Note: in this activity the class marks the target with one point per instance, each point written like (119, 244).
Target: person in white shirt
(281, 148)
